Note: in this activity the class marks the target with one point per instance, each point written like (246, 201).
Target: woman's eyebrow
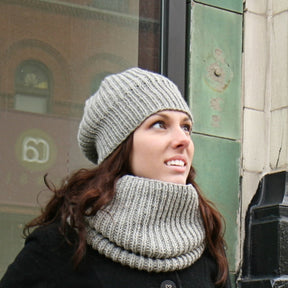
(166, 116)
(187, 119)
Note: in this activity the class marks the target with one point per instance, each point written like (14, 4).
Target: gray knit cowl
(149, 225)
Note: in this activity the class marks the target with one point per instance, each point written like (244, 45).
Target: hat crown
(122, 102)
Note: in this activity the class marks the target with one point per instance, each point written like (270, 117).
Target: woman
(138, 218)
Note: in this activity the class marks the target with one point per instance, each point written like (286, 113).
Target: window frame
(173, 42)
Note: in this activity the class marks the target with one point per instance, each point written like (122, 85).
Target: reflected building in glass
(53, 56)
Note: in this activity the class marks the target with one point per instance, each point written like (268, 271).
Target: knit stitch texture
(149, 225)
(121, 104)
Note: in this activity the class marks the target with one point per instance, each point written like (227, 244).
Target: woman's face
(162, 147)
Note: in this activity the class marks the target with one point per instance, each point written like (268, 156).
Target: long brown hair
(88, 190)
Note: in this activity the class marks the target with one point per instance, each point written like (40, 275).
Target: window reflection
(120, 5)
(53, 56)
(32, 87)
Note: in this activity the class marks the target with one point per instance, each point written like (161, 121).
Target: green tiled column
(216, 71)
(215, 100)
(232, 5)
(217, 166)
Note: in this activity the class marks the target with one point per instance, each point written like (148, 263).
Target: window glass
(32, 88)
(120, 5)
(30, 103)
(53, 56)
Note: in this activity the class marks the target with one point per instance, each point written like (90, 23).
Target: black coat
(45, 261)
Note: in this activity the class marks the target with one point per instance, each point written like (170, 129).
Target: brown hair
(88, 190)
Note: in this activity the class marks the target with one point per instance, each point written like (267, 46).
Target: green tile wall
(216, 162)
(216, 71)
(233, 5)
(214, 94)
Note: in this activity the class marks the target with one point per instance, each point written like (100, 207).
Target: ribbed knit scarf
(149, 225)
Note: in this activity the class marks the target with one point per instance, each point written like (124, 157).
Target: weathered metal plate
(232, 5)
(215, 71)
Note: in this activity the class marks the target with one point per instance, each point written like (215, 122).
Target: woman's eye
(159, 125)
(187, 128)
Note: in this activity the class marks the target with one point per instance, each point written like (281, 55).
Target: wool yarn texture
(120, 105)
(149, 225)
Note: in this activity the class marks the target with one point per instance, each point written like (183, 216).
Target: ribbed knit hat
(122, 102)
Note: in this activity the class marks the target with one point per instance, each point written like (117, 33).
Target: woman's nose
(180, 138)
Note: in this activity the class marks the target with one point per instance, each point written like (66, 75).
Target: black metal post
(265, 263)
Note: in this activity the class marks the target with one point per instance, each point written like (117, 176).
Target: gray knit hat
(122, 102)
